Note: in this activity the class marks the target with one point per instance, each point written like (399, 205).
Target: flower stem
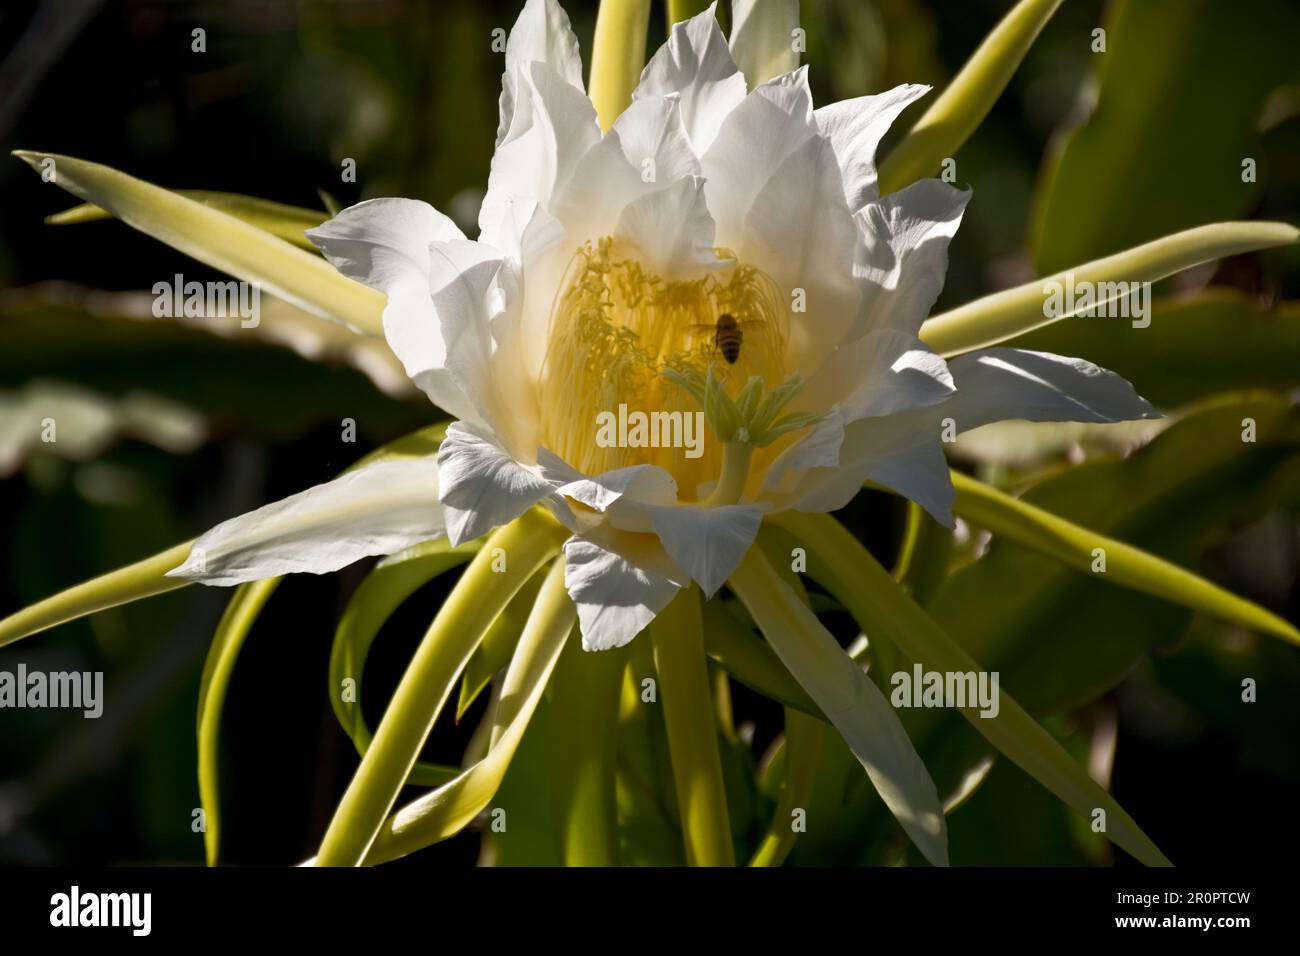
(527, 543)
(735, 475)
(445, 811)
(677, 635)
(584, 741)
(131, 583)
(838, 562)
(803, 748)
(617, 56)
(961, 107)
(1004, 315)
(240, 616)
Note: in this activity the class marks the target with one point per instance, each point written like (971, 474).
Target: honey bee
(728, 334)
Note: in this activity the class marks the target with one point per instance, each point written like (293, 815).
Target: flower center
(615, 328)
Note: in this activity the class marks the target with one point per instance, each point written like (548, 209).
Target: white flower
(602, 266)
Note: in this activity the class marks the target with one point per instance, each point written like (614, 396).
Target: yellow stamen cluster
(615, 328)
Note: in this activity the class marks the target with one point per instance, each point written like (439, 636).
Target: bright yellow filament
(615, 327)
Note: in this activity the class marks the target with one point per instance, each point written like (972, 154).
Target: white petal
(904, 256)
(800, 232)
(378, 509)
(647, 484)
(900, 451)
(904, 374)
(855, 128)
(531, 241)
(882, 373)
(857, 709)
(482, 487)
(904, 452)
(555, 469)
(762, 38)
(618, 585)
(541, 34)
(696, 63)
(707, 542)
(751, 145)
(380, 241)
(469, 286)
(384, 243)
(891, 451)
(997, 384)
(885, 374)
(672, 230)
(622, 496)
(819, 448)
(552, 128)
(527, 231)
(652, 128)
(646, 148)
(917, 471)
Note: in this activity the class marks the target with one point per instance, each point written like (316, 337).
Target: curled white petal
(378, 509)
(553, 125)
(541, 34)
(618, 585)
(696, 64)
(904, 451)
(652, 128)
(916, 470)
(898, 452)
(818, 449)
(886, 374)
(882, 373)
(998, 384)
(471, 288)
(855, 128)
(481, 486)
(527, 231)
(707, 542)
(530, 237)
(384, 243)
(647, 484)
(751, 145)
(904, 257)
